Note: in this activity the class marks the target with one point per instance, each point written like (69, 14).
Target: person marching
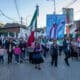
(10, 46)
(22, 46)
(54, 53)
(2, 51)
(37, 58)
(44, 42)
(17, 52)
(66, 49)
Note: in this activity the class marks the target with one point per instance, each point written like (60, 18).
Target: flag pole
(36, 27)
(55, 17)
(54, 7)
(54, 10)
(37, 7)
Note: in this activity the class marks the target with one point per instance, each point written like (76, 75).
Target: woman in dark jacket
(0, 42)
(66, 49)
(22, 45)
(54, 53)
(9, 47)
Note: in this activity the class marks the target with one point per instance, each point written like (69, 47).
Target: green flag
(33, 23)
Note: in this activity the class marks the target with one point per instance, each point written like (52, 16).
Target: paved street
(26, 71)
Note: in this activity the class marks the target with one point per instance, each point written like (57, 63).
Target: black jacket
(8, 45)
(0, 42)
(54, 50)
(22, 45)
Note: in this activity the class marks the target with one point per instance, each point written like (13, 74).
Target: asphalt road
(26, 71)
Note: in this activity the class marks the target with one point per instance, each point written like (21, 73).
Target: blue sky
(27, 8)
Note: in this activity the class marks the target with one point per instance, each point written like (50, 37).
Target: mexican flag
(33, 26)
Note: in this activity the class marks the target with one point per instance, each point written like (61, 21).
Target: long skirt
(36, 58)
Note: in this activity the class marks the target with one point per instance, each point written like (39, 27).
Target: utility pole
(21, 22)
(54, 13)
(26, 20)
(37, 7)
(54, 7)
(55, 24)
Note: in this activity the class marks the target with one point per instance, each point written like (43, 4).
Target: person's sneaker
(39, 68)
(21, 61)
(51, 64)
(68, 65)
(15, 62)
(55, 66)
(36, 67)
(18, 63)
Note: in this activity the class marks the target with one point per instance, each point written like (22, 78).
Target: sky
(27, 7)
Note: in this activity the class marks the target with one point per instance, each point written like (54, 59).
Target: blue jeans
(16, 57)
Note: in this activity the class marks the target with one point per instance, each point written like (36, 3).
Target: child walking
(17, 52)
(2, 51)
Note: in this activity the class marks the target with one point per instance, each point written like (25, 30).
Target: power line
(71, 3)
(6, 15)
(17, 9)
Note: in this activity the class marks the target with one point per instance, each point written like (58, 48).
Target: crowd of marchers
(18, 52)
